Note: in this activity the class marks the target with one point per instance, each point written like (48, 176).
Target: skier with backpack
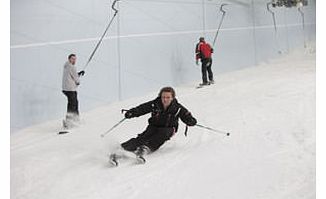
(162, 125)
(204, 53)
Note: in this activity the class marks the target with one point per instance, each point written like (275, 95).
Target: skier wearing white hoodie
(70, 82)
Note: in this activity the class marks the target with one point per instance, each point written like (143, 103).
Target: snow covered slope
(269, 110)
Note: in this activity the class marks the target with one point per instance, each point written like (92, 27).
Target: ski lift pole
(220, 24)
(273, 15)
(275, 27)
(104, 33)
(214, 130)
(303, 26)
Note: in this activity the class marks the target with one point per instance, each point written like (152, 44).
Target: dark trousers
(206, 67)
(72, 106)
(153, 137)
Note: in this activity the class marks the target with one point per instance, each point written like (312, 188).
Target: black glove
(81, 73)
(129, 115)
(192, 122)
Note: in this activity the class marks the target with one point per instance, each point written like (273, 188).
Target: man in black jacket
(162, 125)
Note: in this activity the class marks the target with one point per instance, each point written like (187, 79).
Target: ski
(115, 158)
(140, 160)
(67, 125)
(202, 85)
(63, 132)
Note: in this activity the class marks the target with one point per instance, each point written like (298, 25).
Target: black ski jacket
(163, 118)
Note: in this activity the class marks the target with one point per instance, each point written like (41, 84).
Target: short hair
(167, 89)
(71, 55)
(201, 39)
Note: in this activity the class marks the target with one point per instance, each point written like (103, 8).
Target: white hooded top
(70, 78)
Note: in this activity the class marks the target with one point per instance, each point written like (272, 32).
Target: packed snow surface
(269, 110)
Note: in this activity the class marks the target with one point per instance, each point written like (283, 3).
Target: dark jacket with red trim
(163, 118)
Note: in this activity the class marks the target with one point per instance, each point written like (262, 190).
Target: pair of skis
(67, 125)
(137, 155)
(114, 159)
(65, 128)
(203, 85)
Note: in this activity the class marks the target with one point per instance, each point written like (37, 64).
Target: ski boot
(140, 152)
(71, 121)
(203, 84)
(113, 160)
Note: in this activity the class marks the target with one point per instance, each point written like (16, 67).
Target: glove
(192, 122)
(81, 73)
(128, 115)
(197, 62)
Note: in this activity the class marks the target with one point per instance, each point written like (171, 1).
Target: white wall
(150, 45)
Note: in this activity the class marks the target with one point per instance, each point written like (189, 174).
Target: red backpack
(204, 50)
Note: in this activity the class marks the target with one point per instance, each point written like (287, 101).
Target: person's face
(166, 98)
(72, 60)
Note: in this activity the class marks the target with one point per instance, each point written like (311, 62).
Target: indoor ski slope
(269, 110)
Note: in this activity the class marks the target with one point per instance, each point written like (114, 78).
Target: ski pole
(117, 124)
(219, 26)
(107, 28)
(215, 130)
(113, 127)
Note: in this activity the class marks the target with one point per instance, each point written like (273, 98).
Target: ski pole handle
(124, 110)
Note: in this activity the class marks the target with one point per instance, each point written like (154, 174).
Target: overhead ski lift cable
(104, 33)
(275, 26)
(220, 24)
